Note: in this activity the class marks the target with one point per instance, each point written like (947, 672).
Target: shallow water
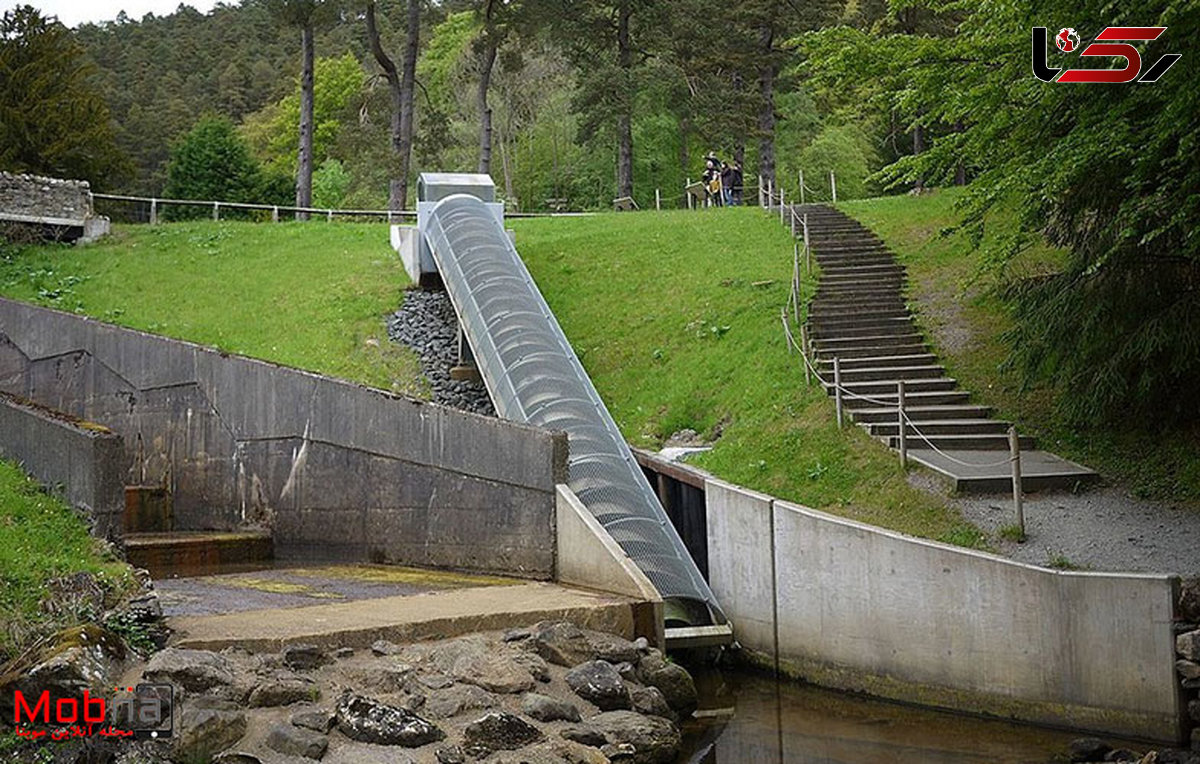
(751, 719)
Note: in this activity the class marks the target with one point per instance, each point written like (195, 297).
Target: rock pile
(427, 324)
(549, 693)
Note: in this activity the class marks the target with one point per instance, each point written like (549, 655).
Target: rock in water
(672, 680)
(599, 683)
(369, 721)
(655, 740)
(1088, 749)
(500, 731)
(650, 701)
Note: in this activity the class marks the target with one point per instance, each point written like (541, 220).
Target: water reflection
(751, 719)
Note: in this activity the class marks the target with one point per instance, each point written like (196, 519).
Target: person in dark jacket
(733, 184)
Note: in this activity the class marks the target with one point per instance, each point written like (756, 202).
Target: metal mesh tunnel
(534, 376)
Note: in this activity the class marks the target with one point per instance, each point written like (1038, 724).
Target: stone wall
(32, 196)
(84, 460)
(334, 469)
(852, 606)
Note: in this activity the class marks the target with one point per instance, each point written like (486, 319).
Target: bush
(212, 162)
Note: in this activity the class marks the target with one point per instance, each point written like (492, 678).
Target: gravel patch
(426, 323)
(1103, 529)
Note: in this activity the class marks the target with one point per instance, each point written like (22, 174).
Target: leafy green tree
(213, 162)
(1109, 172)
(330, 184)
(52, 122)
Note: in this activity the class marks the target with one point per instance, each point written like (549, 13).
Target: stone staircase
(860, 317)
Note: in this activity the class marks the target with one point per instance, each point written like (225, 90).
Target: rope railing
(905, 423)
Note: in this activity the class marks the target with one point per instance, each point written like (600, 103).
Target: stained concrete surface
(292, 587)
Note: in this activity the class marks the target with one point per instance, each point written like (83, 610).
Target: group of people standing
(722, 182)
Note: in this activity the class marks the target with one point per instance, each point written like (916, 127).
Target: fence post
(770, 193)
(837, 388)
(216, 210)
(275, 214)
(796, 281)
(781, 205)
(153, 212)
(328, 216)
(802, 186)
(807, 250)
(833, 186)
(760, 192)
(804, 355)
(903, 426)
(1014, 447)
(793, 223)
(657, 200)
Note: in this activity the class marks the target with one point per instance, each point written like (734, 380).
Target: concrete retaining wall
(86, 461)
(853, 606)
(336, 470)
(588, 557)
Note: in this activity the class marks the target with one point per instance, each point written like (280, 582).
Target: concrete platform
(1040, 470)
(193, 553)
(405, 618)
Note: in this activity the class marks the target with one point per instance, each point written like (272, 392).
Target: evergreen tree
(212, 162)
(51, 120)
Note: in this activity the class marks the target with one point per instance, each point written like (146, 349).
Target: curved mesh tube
(534, 376)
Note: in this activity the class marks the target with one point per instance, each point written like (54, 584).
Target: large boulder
(1189, 600)
(599, 683)
(547, 709)
(369, 721)
(283, 689)
(304, 657)
(611, 648)
(650, 701)
(208, 726)
(493, 672)
(452, 701)
(655, 740)
(499, 731)
(1188, 645)
(561, 643)
(672, 680)
(297, 741)
(192, 670)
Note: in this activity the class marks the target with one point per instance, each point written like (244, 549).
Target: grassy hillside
(43, 539)
(311, 296)
(953, 292)
(676, 318)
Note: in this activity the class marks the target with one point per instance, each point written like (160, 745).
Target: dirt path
(1100, 529)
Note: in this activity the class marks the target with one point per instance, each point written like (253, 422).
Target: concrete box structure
(865, 609)
(335, 470)
(85, 460)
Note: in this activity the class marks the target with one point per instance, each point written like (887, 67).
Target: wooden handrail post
(804, 355)
(1014, 448)
(837, 388)
(903, 425)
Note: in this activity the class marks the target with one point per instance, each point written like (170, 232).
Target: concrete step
(193, 553)
(878, 328)
(826, 262)
(941, 427)
(865, 293)
(893, 374)
(845, 249)
(870, 351)
(864, 269)
(920, 412)
(1040, 470)
(968, 442)
(879, 340)
(886, 390)
(876, 362)
(827, 314)
(919, 399)
(865, 280)
(846, 304)
(827, 323)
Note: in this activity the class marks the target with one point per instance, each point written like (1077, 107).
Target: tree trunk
(407, 86)
(625, 117)
(960, 169)
(766, 115)
(918, 147)
(393, 80)
(304, 165)
(487, 61)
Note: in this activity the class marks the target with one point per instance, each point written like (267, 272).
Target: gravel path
(1100, 529)
(426, 323)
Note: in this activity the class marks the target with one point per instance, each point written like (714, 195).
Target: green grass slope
(312, 296)
(953, 292)
(41, 538)
(676, 318)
